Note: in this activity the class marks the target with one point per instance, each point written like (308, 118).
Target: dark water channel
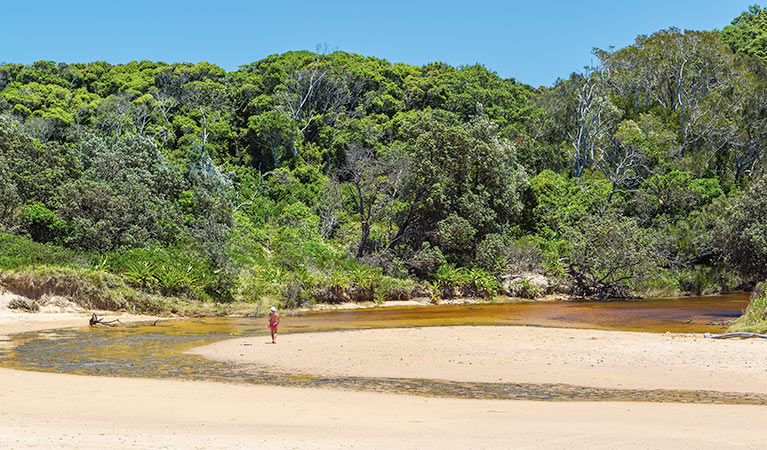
(142, 350)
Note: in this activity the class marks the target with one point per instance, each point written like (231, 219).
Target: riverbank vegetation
(754, 319)
(328, 177)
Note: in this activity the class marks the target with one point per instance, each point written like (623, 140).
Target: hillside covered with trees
(326, 177)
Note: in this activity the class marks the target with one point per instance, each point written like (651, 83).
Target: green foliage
(608, 253)
(306, 177)
(463, 170)
(527, 289)
(427, 260)
(674, 194)
(169, 271)
(449, 279)
(455, 234)
(748, 33)
(754, 319)
(17, 252)
(42, 224)
(141, 274)
(742, 231)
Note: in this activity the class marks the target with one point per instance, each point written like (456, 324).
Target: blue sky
(532, 41)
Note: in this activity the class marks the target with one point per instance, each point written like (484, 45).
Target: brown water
(141, 350)
(657, 316)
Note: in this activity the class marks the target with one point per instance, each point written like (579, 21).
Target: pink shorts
(273, 325)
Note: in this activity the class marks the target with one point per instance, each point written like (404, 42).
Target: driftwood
(95, 320)
(721, 323)
(735, 335)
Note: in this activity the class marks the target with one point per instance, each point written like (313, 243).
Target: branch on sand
(95, 320)
(735, 335)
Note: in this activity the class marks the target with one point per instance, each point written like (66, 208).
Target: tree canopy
(640, 172)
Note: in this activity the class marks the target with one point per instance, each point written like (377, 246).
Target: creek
(143, 350)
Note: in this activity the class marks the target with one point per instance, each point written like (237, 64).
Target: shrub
(425, 261)
(17, 252)
(525, 288)
(743, 235)
(293, 293)
(480, 283)
(755, 317)
(42, 224)
(455, 234)
(607, 254)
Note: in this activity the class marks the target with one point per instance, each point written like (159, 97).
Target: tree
(374, 184)
(743, 235)
(125, 198)
(313, 93)
(691, 75)
(594, 118)
(747, 33)
(466, 170)
(278, 132)
(744, 132)
(607, 253)
(209, 99)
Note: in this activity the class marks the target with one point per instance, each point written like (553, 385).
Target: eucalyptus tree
(744, 133)
(374, 181)
(692, 76)
(589, 117)
(210, 100)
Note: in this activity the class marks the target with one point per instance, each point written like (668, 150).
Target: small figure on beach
(274, 321)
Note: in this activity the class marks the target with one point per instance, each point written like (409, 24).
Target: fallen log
(735, 335)
(95, 320)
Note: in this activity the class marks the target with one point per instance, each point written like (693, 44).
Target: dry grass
(99, 290)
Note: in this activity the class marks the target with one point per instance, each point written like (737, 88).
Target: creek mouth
(142, 350)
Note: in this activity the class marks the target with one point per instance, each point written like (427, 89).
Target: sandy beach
(44, 410)
(513, 354)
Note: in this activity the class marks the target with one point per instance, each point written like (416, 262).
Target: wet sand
(44, 410)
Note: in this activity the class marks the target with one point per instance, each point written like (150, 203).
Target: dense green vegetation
(325, 177)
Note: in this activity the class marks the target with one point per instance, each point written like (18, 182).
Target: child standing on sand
(274, 321)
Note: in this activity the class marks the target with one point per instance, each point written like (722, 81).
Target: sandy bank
(66, 411)
(61, 314)
(609, 359)
(43, 410)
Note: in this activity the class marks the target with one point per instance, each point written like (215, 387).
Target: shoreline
(52, 410)
(71, 411)
(510, 354)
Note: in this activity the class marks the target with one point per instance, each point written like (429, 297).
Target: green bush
(18, 252)
(170, 271)
(450, 280)
(527, 289)
(42, 224)
(481, 283)
(754, 319)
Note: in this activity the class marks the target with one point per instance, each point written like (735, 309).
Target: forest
(329, 176)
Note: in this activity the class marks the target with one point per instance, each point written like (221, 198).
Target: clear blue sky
(532, 41)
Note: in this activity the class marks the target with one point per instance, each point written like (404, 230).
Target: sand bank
(44, 410)
(67, 411)
(513, 354)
